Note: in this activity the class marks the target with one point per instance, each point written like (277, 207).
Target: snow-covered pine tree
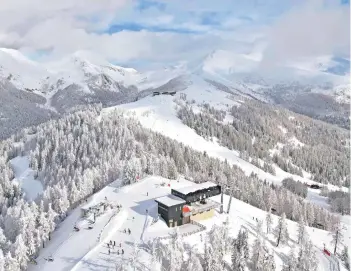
(281, 231)
(307, 260)
(269, 262)
(176, 251)
(291, 263)
(21, 251)
(134, 256)
(345, 257)
(337, 235)
(258, 253)
(194, 263)
(10, 263)
(208, 256)
(302, 234)
(240, 251)
(269, 221)
(259, 230)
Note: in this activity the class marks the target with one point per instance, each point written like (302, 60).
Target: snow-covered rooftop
(192, 188)
(170, 200)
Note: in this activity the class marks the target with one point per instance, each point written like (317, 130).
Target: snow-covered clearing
(24, 175)
(83, 251)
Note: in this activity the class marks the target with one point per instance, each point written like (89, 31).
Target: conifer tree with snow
(302, 234)
(176, 251)
(208, 264)
(269, 221)
(153, 252)
(291, 263)
(307, 260)
(194, 263)
(20, 249)
(240, 251)
(281, 231)
(134, 256)
(11, 263)
(259, 230)
(261, 258)
(337, 235)
(345, 257)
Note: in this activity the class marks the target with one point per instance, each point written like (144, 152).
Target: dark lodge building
(188, 203)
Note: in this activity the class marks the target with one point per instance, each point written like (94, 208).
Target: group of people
(127, 231)
(112, 244)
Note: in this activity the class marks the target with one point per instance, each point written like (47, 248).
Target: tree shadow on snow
(88, 264)
(252, 230)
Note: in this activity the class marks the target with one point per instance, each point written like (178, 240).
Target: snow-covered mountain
(81, 68)
(34, 92)
(45, 89)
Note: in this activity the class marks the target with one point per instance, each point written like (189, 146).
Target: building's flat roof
(193, 188)
(170, 200)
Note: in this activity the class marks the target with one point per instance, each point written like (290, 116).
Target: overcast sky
(167, 31)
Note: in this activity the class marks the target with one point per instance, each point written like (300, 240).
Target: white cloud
(66, 26)
(311, 30)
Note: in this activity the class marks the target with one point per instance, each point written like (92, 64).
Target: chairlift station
(188, 203)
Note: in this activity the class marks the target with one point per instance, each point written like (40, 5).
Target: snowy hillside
(159, 114)
(94, 252)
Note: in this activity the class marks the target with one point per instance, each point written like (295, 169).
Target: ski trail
(120, 220)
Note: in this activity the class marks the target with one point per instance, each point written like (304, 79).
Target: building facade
(188, 203)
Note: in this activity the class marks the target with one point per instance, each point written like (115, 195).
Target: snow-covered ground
(160, 115)
(313, 195)
(24, 175)
(87, 249)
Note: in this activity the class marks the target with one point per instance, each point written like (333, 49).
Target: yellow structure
(203, 215)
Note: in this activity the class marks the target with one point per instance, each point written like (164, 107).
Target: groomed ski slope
(87, 249)
(159, 114)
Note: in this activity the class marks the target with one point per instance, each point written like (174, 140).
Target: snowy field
(87, 249)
